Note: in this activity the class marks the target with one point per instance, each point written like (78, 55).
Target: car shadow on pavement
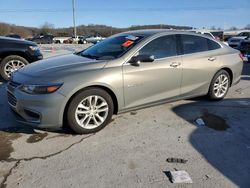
(224, 138)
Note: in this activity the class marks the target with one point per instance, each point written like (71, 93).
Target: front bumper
(43, 111)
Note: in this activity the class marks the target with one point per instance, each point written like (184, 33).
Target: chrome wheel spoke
(99, 117)
(83, 119)
(102, 110)
(96, 122)
(102, 105)
(83, 107)
(88, 120)
(82, 111)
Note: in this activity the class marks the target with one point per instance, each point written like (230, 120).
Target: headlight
(34, 48)
(40, 89)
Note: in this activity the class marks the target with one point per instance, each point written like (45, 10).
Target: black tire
(8, 59)
(211, 93)
(71, 120)
(248, 59)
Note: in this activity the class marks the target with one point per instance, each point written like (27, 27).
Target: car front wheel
(219, 85)
(11, 64)
(90, 111)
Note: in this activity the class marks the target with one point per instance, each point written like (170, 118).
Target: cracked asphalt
(132, 150)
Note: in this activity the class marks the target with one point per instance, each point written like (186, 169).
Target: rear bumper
(42, 111)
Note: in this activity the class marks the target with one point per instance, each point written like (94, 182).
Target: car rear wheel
(90, 111)
(219, 85)
(11, 64)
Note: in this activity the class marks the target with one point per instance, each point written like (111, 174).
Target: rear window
(213, 45)
(194, 44)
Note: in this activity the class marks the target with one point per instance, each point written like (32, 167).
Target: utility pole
(74, 20)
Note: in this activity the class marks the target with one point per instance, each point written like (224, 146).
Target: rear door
(200, 62)
(155, 81)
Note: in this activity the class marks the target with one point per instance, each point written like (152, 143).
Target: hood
(14, 40)
(55, 66)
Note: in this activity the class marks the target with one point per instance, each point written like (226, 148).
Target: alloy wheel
(221, 85)
(13, 66)
(91, 112)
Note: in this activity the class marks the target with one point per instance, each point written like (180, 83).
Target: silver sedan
(124, 72)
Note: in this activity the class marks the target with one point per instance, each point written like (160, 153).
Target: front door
(157, 80)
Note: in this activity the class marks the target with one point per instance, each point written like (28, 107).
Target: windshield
(111, 48)
(244, 34)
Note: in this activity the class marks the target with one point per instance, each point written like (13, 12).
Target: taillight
(241, 56)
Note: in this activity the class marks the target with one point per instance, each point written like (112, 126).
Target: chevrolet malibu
(125, 72)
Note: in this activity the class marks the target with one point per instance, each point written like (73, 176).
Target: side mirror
(136, 60)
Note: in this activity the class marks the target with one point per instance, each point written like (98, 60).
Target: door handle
(212, 58)
(175, 64)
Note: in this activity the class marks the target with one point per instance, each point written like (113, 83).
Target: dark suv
(42, 39)
(16, 53)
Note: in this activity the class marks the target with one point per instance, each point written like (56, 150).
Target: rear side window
(213, 45)
(194, 44)
(161, 47)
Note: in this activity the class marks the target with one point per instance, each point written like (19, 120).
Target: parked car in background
(203, 32)
(60, 40)
(14, 36)
(75, 39)
(244, 47)
(94, 39)
(125, 72)
(82, 39)
(68, 41)
(234, 42)
(42, 39)
(15, 54)
(216, 34)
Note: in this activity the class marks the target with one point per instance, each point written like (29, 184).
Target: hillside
(81, 30)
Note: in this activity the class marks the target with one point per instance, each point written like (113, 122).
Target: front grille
(234, 40)
(14, 84)
(11, 99)
(233, 45)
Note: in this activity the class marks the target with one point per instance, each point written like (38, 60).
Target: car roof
(151, 32)
(147, 32)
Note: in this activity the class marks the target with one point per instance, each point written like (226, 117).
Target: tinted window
(247, 34)
(161, 47)
(213, 45)
(193, 44)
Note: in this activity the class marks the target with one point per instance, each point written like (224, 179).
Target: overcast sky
(196, 13)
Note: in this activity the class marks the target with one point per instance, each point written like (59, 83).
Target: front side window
(161, 47)
(111, 48)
